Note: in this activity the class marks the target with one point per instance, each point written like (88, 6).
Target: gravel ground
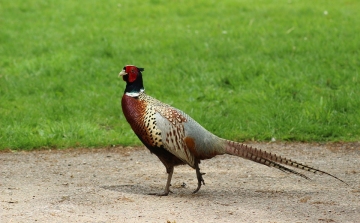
(111, 185)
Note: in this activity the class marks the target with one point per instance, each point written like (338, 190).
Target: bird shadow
(140, 189)
(128, 188)
(207, 194)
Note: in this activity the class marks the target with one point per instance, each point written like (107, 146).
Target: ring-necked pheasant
(177, 139)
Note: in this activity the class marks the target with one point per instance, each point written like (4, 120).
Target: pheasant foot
(199, 177)
(170, 171)
(165, 193)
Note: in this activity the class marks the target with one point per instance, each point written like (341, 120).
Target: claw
(199, 177)
(167, 190)
(161, 194)
(200, 182)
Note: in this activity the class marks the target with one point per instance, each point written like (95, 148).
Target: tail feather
(270, 160)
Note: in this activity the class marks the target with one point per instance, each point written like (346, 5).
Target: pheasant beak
(122, 73)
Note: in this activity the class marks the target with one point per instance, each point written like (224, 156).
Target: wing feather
(171, 125)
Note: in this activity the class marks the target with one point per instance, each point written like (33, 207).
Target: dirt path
(111, 185)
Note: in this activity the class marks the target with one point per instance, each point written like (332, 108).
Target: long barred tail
(270, 160)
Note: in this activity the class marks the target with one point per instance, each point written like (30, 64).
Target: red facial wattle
(132, 72)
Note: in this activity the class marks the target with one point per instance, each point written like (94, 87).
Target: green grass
(246, 70)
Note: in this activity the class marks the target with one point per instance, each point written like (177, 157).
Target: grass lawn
(245, 70)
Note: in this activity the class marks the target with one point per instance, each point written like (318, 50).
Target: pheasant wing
(171, 124)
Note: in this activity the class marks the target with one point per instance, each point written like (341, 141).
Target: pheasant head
(133, 78)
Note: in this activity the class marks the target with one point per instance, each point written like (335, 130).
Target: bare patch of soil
(111, 185)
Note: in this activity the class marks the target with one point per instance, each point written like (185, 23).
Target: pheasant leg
(199, 178)
(170, 172)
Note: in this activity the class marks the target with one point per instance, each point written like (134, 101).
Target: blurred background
(246, 70)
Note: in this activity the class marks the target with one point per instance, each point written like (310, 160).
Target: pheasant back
(160, 125)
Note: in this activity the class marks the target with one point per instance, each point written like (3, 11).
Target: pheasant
(177, 139)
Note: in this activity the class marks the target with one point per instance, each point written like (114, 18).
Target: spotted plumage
(177, 139)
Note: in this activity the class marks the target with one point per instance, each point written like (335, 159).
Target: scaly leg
(170, 172)
(199, 177)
